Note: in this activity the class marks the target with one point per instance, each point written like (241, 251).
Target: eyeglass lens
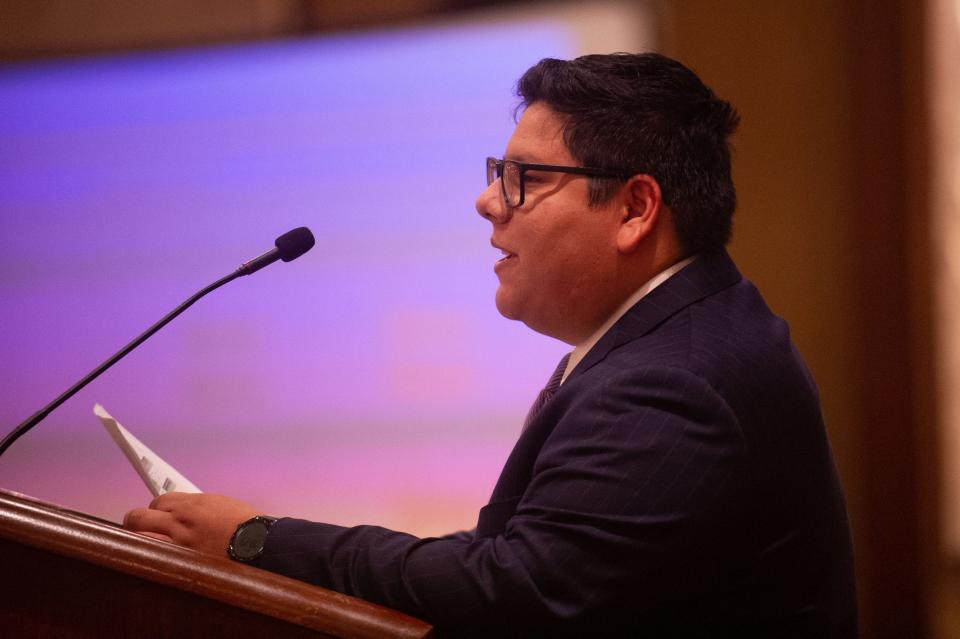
(509, 174)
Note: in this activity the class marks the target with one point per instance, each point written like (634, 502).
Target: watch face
(248, 541)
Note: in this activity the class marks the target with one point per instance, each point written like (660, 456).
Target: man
(679, 482)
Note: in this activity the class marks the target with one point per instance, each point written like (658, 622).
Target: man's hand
(201, 521)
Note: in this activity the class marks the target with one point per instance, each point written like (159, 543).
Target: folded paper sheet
(159, 476)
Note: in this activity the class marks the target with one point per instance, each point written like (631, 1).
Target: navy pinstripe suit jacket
(679, 484)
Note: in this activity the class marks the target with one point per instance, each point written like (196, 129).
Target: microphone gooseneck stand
(92, 375)
(290, 246)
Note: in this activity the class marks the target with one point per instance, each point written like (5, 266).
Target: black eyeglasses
(512, 175)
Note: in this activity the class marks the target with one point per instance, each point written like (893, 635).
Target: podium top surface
(97, 541)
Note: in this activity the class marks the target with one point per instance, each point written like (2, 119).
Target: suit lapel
(706, 275)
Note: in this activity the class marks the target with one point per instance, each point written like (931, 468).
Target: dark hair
(646, 113)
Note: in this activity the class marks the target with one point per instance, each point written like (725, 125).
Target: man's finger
(159, 536)
(167, 500)
(148, 520)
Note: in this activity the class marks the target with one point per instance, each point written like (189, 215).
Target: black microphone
(287, 247)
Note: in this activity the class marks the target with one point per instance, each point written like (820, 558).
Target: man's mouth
(505, 255)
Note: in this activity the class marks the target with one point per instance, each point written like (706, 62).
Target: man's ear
(642, 206)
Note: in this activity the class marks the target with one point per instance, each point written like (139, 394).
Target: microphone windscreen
(295, 243)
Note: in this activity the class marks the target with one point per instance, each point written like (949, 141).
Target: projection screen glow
(372, 380)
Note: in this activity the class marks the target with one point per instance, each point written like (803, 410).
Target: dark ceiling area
(51, 28)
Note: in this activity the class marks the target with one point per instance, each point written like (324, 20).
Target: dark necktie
(548, 391)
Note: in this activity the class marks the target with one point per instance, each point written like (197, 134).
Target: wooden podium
(66, 574)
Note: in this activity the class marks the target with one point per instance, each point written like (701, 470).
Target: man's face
(558, 272)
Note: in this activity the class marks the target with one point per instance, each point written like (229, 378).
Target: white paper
(159, 476)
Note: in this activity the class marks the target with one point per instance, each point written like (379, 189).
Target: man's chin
(507, 305)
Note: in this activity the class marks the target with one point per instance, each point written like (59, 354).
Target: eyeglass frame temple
(554, 168)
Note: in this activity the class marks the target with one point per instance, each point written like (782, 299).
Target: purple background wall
(371, 381)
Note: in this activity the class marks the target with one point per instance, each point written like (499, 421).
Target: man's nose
(490, 205)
